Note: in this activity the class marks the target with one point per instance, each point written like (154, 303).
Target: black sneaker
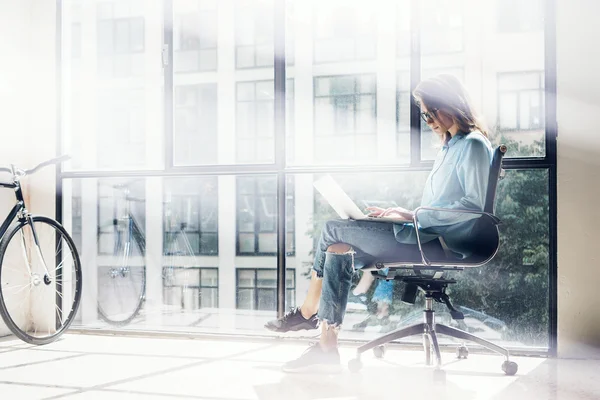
(293, 321)
(357, 302)
(317, 360)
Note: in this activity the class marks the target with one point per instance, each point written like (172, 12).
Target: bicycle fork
(36, 281)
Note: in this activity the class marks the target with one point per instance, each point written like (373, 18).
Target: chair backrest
(487, 239)
(495, 169)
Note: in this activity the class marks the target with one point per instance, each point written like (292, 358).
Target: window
(195, 124)
(254, 33)
(257, 289)
(121, 215)
(443, 30)
(195, 36)
(191, 288)
(120, 38)
(190, 216)
(403, 102)
(521, 101)
(255, 118)
(121, 128)
(345, 115)
(520, 15)
(257, 215)
(344, 31)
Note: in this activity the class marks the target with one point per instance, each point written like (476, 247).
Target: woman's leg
(305, 316)
(342, 243)
(313, 297)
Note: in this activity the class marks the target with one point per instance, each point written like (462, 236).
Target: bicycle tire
(142, 294)
(9, 319)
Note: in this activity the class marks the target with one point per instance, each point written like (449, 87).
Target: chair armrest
(495, 221)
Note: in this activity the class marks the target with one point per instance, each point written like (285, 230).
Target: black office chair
(428, 276)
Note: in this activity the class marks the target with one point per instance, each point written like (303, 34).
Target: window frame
(290, 198)
(539, 91)
(355, 95)
(200, 199)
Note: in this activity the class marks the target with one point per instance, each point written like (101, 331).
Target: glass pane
(246, 278)
(266, 279)
(255, 119)
(112, 93)
(344, 31)
(245, 299)
(209, 298)
(247, 242)
(346, 117)
(505, 313)
(267, 242)
(209, 277)
(254, 33)
(257, 213)
(195, 125)
(498, 80)
(290, 278)
(267, 299)
(187, 202)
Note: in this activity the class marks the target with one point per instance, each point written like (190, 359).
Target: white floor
(107, 367)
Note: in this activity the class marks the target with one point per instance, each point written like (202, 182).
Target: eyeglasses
(428, 115)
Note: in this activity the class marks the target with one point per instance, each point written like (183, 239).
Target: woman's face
(437, 120)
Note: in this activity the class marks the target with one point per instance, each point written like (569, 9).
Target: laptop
(343, 204)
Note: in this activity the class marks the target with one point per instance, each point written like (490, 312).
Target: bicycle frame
(19, 212)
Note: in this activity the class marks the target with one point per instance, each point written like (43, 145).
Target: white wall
(578, 64)
(27, 98)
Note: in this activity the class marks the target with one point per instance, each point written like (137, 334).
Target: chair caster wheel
(509, 367)
(354, 365)
(462, 352)
(439, 376)
(379, 351)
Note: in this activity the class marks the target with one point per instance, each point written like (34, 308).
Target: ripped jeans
(370, 241)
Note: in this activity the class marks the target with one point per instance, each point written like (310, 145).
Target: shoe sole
(315, 369)
(291, 330)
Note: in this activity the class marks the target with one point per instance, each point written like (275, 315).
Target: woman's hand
(393, 212)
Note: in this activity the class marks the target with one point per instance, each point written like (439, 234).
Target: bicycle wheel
(40, 291)
(122, 274)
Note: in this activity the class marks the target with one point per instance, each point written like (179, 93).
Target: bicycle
(122, 269)
(40, 269)
(122, 283)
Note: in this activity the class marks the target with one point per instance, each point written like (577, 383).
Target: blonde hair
(446, 93)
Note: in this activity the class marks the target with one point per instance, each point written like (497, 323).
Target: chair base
(429, 329)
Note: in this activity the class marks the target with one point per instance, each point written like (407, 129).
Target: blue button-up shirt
(458, 180)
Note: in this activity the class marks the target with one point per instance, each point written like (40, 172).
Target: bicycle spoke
(59, 314)
(23, 287)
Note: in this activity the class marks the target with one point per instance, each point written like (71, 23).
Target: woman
(458, 180)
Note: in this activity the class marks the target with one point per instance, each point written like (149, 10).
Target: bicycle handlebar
(56, 160)
(18, 172)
